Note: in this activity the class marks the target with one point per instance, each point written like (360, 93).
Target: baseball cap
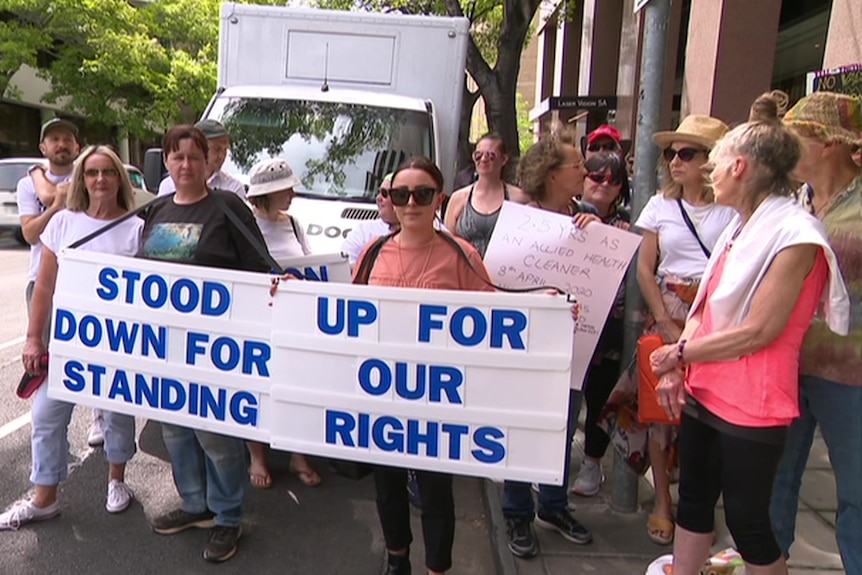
(55, 123)
(269, 176)
(211, 128)
(605, 131)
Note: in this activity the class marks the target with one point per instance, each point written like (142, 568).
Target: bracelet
(680, 351)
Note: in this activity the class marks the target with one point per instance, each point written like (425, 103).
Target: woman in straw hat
(732, 374)
(270, 191)
(829, 125)
(680, 226)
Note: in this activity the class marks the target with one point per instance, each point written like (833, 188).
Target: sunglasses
(602, 178)
(685, 154)
(606, 147)
(107, 172)
(423, 195)
(491, 155)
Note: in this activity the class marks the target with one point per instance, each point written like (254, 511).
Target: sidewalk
(620, 544)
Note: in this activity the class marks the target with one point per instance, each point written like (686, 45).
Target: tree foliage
(115, 63)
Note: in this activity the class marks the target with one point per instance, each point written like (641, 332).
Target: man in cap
(219, 143)
(605, 138)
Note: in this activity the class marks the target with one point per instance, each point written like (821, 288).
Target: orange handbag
(649, 409)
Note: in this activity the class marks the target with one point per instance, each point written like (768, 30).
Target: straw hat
(269, 176)
(827, 116)
(697, 129)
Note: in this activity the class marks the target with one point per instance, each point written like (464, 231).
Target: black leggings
(601, 380)
(712, 463)
(438, 513)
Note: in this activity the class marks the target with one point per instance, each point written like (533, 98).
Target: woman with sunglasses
(100, 193)
(606, 187)
(418, 256)
(472, 211)
(680, 226)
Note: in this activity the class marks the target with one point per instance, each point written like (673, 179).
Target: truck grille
(359, 214)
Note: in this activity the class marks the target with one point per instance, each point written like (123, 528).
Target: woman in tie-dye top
(830, 125)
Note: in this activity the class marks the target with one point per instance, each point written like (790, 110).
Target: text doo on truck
(344, 97)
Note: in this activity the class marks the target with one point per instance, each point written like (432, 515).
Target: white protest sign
(533, 247)
(463, 382)
(323, 267)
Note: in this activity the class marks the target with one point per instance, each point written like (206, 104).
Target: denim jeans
(210, 472)
(517, 498)
(49, 440)
(837, 408)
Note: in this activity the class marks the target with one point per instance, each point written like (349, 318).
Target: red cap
(605, 130)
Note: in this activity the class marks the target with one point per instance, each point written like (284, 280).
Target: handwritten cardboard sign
(533, 247)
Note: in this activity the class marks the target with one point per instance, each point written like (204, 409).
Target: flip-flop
(656, 525)
(309, 477)
(260, 480)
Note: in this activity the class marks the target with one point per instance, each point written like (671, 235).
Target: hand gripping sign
(462, 382)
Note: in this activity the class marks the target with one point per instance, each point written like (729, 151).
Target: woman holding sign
(733, 373)
(680, 226)
(418, 256)
(100, 193)
(270, 191)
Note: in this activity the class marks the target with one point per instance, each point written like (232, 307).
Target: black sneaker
(521, 540)
(221, 545)
(398, 565)
(568, 527)
(179, 520)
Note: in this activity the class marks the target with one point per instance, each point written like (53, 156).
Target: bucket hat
(827, 116)
(269, 176)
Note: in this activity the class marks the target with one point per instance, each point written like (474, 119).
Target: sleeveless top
(477, 228)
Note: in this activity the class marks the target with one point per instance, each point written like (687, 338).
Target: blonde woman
(100, 193)
(680, 226)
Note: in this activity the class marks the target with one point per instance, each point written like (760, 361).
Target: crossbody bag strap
(691, 227)
(117, 222)
(363, 272)
(256, 243)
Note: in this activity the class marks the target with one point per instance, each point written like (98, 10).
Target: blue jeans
(517, 498)
(210, 472)
(49, 441)
(837, 408)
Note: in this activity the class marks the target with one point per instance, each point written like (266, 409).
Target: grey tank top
(477, 228)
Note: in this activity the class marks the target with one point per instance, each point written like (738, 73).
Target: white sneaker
(590, 479)
(119, 496)
(25, 512)
(96, 437)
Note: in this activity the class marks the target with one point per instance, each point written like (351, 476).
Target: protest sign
(532, 247)
(463, 382)
(323, 267)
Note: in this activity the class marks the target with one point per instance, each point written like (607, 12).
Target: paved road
(332, 529)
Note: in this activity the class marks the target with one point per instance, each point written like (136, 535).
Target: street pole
(624, 496)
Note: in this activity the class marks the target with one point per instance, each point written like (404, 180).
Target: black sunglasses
(606, 147)
(600, 177)
(685, 154)
(423, 195)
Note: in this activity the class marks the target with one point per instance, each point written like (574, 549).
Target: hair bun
(769, 107)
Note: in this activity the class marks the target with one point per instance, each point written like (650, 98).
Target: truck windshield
(340, 151)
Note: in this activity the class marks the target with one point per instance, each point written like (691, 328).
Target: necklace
(418, 280)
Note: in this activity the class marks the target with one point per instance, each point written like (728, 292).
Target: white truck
(344, 97)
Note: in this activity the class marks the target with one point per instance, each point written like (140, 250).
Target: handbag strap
(691, 228)
(255, 242)
(117, 222)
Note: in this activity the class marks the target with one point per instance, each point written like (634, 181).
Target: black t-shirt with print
(201, 233)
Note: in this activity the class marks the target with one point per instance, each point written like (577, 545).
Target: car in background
(13, 169)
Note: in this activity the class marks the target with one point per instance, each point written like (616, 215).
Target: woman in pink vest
(733, 373)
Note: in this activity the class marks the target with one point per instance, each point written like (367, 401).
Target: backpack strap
(363, 273)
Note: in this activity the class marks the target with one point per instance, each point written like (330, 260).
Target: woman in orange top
(418, 256)
(768, 272)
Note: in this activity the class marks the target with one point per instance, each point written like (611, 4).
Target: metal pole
(624, 496)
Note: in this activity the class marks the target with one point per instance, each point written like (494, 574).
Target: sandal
(656, 526)
(308, 476)
(260, 480)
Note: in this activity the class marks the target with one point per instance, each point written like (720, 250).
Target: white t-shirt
(361, 235)
(67, 227)
(30, 205)
(679, 253)
(282, 240)
(218, 181)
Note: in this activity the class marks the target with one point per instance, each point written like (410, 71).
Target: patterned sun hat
(827, 116)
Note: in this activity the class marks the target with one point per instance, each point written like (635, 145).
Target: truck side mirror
(154, 169)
